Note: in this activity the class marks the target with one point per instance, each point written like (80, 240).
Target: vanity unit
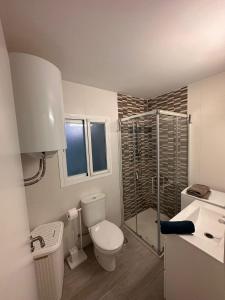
(194, 264)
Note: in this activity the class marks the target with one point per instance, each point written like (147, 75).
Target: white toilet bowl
(106, 236)
(108, 241)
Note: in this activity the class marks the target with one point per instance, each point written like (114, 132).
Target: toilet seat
(107, 237)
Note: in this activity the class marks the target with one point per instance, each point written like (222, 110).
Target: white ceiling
(139, 47)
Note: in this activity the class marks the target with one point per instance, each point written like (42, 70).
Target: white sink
(209, 231)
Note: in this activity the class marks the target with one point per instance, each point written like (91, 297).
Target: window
(87, 155)
(98, 146)
(76, 160)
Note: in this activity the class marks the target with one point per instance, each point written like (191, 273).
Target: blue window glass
(98, 143)
(76, 148)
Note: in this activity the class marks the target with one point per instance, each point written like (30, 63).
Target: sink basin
(209, 227)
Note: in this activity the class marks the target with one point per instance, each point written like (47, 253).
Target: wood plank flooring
(138, 276)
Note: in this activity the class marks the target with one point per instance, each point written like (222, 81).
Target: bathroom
(149, 76)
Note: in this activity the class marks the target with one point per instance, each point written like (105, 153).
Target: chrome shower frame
(157, 113)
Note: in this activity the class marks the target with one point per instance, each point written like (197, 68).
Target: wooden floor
(138, 276)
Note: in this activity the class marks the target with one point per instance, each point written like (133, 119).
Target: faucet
(34, 239)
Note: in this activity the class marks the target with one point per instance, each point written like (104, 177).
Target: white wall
(17, 276)
(206, 104)
(47, 201)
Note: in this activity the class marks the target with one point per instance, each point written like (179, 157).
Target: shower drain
(209, 235)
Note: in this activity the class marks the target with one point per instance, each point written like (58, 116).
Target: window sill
(72, 181)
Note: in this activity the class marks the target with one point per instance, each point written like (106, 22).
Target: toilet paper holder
(76, 256)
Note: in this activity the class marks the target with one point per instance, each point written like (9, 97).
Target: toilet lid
(107, 235)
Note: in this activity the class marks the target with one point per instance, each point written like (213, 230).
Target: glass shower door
(146, 179)
(129, 174)
(154, 170)
(139, 177)
(167, 170)
(173, 160)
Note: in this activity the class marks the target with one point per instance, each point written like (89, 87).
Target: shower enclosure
(154, 148)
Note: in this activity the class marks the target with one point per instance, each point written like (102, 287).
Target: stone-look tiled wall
(173, 155)
(135, 156)
(136, 166)
(129, 106)
(139, 153)
(173, 163)
(174, 101)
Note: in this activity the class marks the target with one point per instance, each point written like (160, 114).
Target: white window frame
(70, 180)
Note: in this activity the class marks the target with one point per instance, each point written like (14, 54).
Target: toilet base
(107, 262)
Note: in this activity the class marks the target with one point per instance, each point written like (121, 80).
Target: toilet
(106, 236)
